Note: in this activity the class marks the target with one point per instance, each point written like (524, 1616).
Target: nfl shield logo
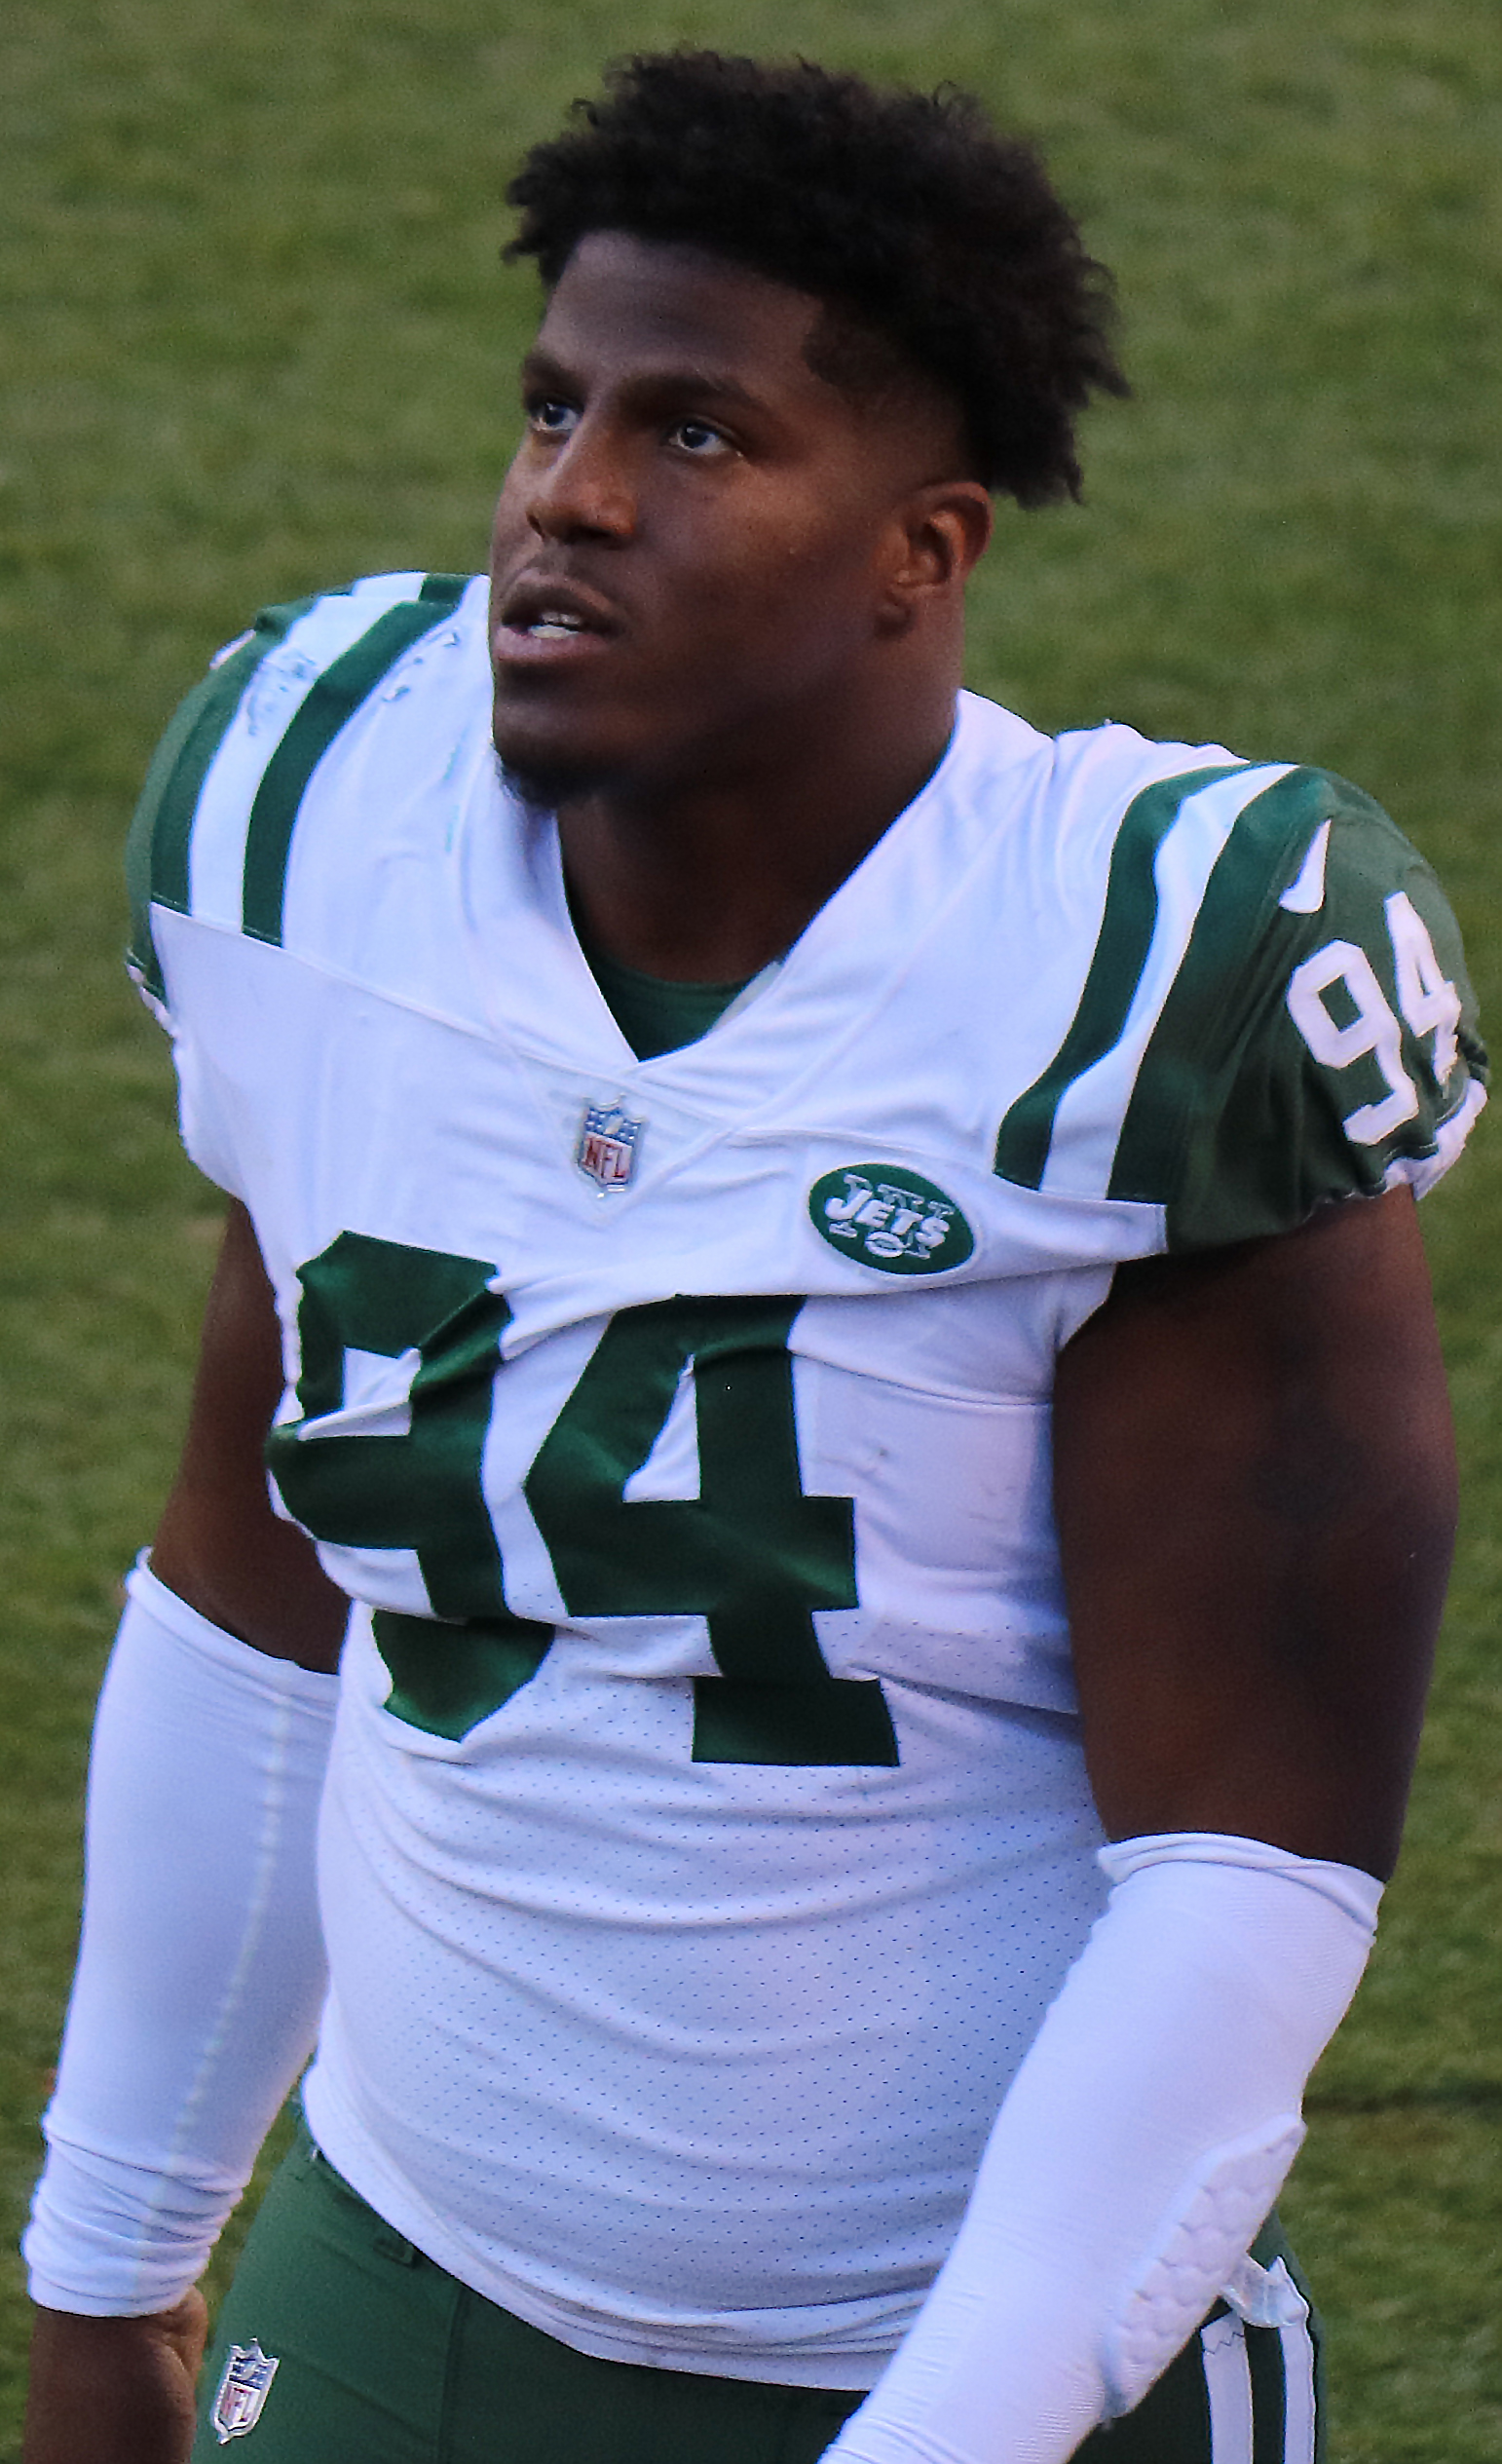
(242, 2391)
(607, 1146)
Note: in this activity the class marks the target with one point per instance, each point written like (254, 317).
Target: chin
(546, 777)
(550, 766)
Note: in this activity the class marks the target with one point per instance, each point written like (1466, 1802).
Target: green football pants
(380, 2357)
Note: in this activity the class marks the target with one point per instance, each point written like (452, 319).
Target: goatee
(542, 786)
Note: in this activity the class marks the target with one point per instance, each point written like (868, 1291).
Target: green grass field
(255, 338)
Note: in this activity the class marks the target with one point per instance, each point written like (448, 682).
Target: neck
(705, 881)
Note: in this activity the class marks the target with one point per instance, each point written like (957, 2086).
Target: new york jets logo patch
(886, 1216)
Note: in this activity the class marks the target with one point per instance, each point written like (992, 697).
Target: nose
(583, 489)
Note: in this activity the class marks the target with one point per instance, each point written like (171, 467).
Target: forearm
(201, 1970)
(1142, 2144)
(114, 2390)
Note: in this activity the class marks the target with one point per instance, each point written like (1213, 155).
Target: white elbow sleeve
(1142, 2144)
(200, 1969)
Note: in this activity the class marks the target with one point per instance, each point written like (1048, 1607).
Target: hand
(114, 2390)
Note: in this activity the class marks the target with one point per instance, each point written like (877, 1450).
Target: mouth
(540, 617)
(553, 625)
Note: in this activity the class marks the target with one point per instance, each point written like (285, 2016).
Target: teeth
(552, 622)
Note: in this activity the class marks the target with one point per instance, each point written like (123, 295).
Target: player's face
(692, 549)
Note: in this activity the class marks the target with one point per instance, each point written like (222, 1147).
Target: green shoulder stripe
(1120, 954)
(330, 704)
(1258, 861)
(162, 830)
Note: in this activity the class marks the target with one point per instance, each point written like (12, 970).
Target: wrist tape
(1142, 2144)
(201, 1970)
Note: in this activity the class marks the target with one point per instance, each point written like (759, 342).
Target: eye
(547, 416)
(698, 437)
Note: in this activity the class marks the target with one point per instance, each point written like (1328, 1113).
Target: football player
(835, 1280)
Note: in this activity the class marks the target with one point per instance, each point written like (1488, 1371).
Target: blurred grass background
(254, 339)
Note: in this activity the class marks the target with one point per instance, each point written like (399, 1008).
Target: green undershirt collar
(654, 1016)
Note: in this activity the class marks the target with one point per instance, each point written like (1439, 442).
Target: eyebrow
(538, 367)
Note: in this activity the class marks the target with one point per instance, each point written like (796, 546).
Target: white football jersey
(707, 1829)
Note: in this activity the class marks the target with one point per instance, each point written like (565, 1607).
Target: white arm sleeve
(1142, 2141)
(201, 1970)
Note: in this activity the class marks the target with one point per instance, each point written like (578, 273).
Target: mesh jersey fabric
(707, 1829)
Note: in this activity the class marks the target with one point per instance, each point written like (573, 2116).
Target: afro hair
(908, 215)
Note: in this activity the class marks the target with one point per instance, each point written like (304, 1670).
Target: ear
(938, 535)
